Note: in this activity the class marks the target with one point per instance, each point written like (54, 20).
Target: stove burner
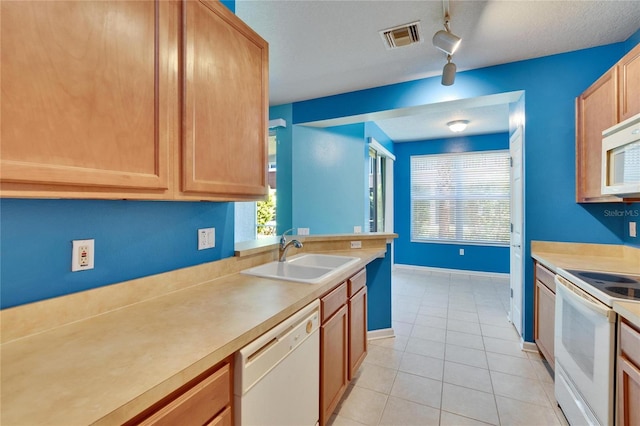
(616, 286)
(598, 276)
(632, 293)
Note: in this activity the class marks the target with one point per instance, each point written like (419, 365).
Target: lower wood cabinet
(357, 290)
(206, 400)
(628, 375)
(343, 340)
(545, 308)
(334, 355)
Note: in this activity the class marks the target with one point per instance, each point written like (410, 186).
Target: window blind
(462, 198)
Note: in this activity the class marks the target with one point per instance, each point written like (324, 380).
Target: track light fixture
(448, 42)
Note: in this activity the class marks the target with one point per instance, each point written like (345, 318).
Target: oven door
(584, 350)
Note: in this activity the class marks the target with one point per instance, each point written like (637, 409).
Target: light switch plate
(357, 229)
(632, 229)
(303, 231)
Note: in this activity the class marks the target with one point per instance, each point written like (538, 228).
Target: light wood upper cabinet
(629, 84)
(132, 99)
(81, 99)
(596, 110)
(225, 103)
(613, 98)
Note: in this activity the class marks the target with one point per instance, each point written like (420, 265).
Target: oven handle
(585, 298)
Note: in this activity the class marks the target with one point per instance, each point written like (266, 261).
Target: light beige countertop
(593, 257)
(108, 367)
(629, 310)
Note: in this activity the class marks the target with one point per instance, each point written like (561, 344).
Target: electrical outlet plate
(303, 231)
(82, 255)
(461, 252)
(356, 244)
(357, 229)
(206, 238)
(633, 229)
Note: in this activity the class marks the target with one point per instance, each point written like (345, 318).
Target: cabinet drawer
(630, 343)
(546, 277)
(332, 301)
(199, 404)
(356, 282)
(222, 419)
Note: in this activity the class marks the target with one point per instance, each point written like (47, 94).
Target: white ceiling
(324, 47)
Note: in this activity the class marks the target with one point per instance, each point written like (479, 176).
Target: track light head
(449, 72)
(446, 41)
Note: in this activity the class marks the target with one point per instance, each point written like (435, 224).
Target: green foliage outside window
(266, 215)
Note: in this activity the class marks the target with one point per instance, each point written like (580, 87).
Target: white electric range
(585, 333)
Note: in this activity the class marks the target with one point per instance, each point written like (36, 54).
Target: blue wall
(476, 258)
(372, 130)
(551, 85)
(329, 178)
(132, 239)
(379, 292)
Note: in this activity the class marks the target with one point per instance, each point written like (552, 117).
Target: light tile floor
(455, 360)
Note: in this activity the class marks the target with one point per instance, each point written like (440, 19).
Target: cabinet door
(224, 146)
(84, 105)
(544, 324)
(333, 362)
(628, 394)
(629, 84)
(357, 331)
(596, 110)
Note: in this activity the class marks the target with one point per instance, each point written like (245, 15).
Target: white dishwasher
(277, 376)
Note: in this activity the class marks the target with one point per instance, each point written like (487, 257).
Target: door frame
(517, 288)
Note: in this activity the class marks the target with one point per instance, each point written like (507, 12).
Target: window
(377, 177)
(252, 219)
(461, 198)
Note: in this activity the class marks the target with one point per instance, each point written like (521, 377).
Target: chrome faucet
(284, 245)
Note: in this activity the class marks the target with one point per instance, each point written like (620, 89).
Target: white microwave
(621, 159)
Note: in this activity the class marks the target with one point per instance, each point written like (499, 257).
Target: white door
(516, 265)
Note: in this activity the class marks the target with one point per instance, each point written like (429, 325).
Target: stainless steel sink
(304, 268)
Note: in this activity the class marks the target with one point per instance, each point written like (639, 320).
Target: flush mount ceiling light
(457, 126)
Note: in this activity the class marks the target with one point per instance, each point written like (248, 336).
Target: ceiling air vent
(402, 35)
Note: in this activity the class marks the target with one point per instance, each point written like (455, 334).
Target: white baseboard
(528, 346)
(382, 333)
(451, 271)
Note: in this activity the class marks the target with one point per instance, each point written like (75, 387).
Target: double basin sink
(304, 268)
